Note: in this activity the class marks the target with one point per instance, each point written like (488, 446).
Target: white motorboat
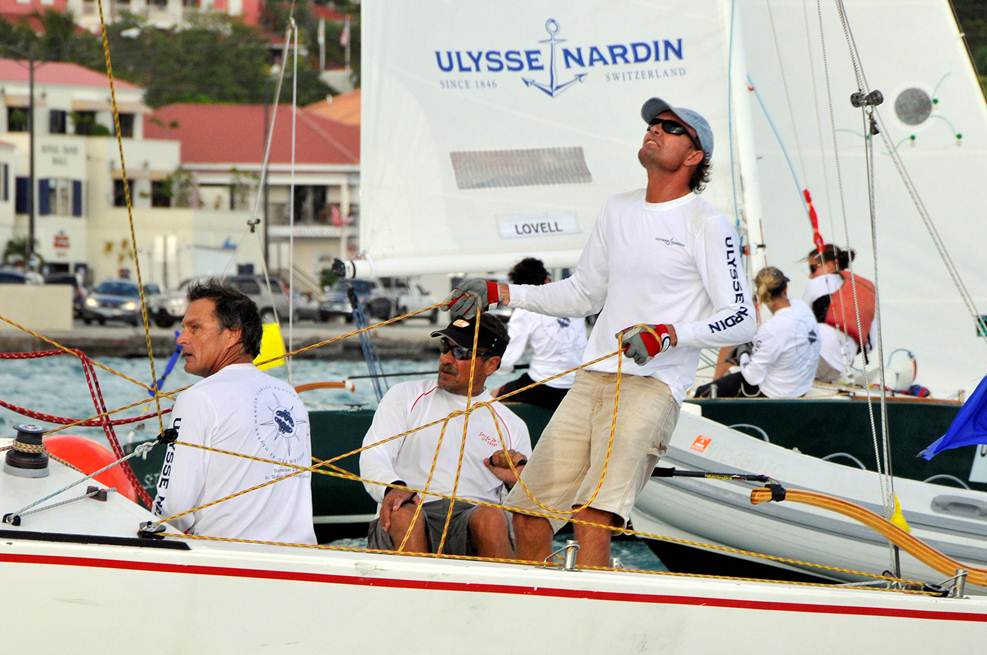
(953, 520)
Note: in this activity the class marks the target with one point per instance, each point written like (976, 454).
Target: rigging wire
(291, 194)
(781, 144)
(882, 481)
(784, 84)
(730, 118)
(815, 107)
(130, 207)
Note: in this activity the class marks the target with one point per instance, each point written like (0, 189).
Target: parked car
(407, 296)
(116, 300)
(306, 308)
(14, 276)
(169, 308)
(79, 292)
(336, 300)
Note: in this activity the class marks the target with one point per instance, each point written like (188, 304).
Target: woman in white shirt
(785, 353)
(556, 345)
(838, 300)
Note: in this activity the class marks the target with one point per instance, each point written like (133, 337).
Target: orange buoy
(88, 456)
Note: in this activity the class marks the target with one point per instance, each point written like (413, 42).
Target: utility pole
(263, 175)
(30, 145)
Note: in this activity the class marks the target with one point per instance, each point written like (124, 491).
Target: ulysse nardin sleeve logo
(279, 423)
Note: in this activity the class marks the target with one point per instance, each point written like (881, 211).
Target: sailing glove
(462, 301)
(740, 352)
(642, 342)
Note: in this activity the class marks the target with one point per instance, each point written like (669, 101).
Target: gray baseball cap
(654, 106)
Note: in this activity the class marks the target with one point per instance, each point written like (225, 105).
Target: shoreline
(407, 341)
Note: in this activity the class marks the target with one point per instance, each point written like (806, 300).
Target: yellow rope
(466, 425)
(130, 209)
(503, 560)
(428, 483)
(346, 475)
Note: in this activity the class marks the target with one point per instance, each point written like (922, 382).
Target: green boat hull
(815, 427)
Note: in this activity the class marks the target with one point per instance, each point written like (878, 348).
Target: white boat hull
(64, 591)
(719, 512)
(61, 597)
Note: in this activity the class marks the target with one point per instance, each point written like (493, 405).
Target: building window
(55, 197)
(17, 119)
(119, 200)
(4, 182)
(57, 121)
(127, 126)
(160, 193)
(85, 122)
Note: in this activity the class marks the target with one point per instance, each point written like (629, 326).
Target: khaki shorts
(567, 462)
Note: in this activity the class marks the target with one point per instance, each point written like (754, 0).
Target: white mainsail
(496, 132)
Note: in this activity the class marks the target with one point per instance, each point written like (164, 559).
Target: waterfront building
(160, 13)
(222, 147)
(79, 211)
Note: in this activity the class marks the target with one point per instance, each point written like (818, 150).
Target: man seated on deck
(485, 474)
(237, 408)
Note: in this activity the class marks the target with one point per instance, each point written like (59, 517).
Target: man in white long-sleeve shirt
(239, 408)
(662, 267)
(484, 473)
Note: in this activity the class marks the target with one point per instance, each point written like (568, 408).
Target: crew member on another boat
(236, 407)
(830, 293)
(782, 362)
(662, 266)
(485, 474)
(556, 344)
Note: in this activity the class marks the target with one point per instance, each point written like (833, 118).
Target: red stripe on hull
(519, 590)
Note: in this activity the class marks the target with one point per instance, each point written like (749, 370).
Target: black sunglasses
(460, 353)
(674, 128)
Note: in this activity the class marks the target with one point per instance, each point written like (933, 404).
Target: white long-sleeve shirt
(674, 262)
(556, 345)
(243, 410)
(786, 353)
(410, 404)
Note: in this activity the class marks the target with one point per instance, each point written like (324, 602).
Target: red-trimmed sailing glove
(641, 343)
(463, 299)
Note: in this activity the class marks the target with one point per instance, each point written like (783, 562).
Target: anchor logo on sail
(554, 87)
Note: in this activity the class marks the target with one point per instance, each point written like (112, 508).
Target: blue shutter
(20, 195)
(76, 198)
(44, 202)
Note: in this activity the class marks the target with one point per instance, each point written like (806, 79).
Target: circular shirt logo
(279, 423)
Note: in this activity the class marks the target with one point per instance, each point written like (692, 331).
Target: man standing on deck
(484, 473)
(662, 267)
(238, 408)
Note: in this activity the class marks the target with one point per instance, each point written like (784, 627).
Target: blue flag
(169, 367)
(969, 428)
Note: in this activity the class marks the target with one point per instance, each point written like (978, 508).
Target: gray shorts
(434, 514)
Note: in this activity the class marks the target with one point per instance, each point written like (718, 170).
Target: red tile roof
(234, 134)
(321, 11)
(344, 108)
(56, 72)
